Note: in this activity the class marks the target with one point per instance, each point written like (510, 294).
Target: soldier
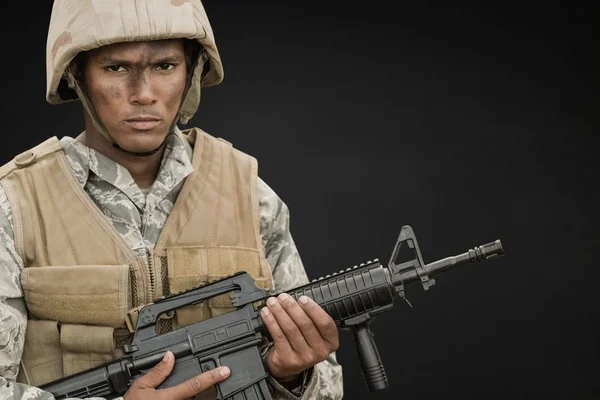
(134, 208)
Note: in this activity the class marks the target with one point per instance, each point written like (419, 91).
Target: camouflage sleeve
(13, 319)
(324, 380)
(12, 313)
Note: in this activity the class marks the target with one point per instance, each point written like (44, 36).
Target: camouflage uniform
(139, 218)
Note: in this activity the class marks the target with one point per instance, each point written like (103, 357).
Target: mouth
(143, 122)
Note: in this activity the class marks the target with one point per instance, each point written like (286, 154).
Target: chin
(142, 141)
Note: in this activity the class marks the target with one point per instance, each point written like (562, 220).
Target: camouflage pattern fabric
(139, 218)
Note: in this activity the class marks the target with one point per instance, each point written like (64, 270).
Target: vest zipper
(150, 260)
(152, 276)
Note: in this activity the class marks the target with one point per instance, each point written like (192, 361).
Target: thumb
(158, 373)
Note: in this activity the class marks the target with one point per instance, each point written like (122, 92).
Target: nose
(142, 92)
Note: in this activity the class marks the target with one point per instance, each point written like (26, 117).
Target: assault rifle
(352, 297)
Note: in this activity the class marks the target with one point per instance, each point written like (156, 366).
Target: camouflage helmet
(81, 25)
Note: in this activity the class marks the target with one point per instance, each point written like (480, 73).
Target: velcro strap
(87, 294)
(195, 265)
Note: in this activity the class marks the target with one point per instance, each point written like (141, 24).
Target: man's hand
(143, 388)
(303, 335)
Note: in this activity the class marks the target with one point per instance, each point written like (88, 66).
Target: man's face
(136, 89)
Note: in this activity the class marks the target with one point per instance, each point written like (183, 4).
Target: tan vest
(81, 279)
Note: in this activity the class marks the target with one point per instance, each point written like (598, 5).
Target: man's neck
(143, 170)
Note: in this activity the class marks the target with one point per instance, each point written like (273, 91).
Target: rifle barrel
(476, 254)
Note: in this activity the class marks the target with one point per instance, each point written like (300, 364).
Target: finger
(279, 338)
(195, 385)
(157, 374)
(288, 326)
(322, 321)
(309, 331)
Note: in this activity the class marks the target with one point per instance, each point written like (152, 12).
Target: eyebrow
(115, 60)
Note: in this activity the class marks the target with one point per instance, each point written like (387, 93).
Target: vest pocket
(191, 266)
(86, 346)
(86, 294)
(41, 361)
(54, 350)
(74, 311)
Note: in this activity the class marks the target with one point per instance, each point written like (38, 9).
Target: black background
(469, 123)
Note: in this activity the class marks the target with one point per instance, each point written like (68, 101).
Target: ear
(77, 66)
(192, 50)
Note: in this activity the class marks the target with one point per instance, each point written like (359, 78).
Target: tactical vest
(82, 284)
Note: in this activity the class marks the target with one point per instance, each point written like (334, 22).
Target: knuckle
(326, 323)
(296, 364)
(335, 344)
(292, 329)
(158, 369)
(309, 359)
(290, 362)
(196, 384)
(277, 360)
(323, 354)
(305, 324)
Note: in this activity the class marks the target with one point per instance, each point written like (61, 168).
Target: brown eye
(115, 68)
(165, 66)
